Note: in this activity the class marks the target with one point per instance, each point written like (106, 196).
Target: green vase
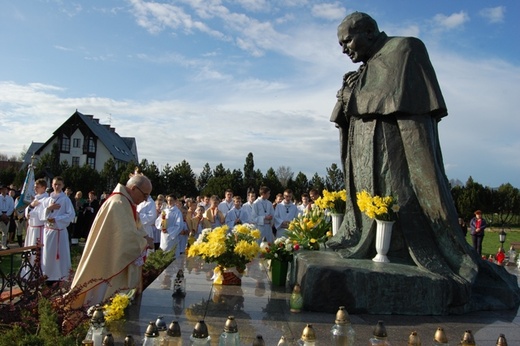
(279, 272)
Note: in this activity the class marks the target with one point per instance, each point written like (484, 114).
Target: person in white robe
(227, 204)
(305, 204)
(285, 212)
(6, 210)
(213, 217)
(57, 212)
(237, 215)
(148, 214)
(34, 234)
(248, 206)
(116, 246)
(263, 214)
(170, 222)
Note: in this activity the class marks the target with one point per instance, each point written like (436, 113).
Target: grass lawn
(491, 244)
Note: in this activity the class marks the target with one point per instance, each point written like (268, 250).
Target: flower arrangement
(377, 207)
(281, 249)
(310, 229)
(227, 249)
(334, 201)
(115, 310)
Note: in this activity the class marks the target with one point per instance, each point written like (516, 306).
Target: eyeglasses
(146, 195)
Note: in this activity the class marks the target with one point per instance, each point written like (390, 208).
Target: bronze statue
(387, 114)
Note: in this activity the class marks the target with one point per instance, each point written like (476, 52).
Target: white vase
(337, 219)
(383, 236)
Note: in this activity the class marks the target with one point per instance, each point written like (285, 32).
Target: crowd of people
(133, 224)
(175, 222)
(57, 219)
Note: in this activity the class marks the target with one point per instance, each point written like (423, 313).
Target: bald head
(139, 187)
(360, 22)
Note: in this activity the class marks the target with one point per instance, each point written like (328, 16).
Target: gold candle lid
(201, 330)
(129, 340)
(380, 330)
(108, 340)
(98, 317)
(151, 330)
(259, 341)
(414, 340)
(231, 325)
(342, 316)
(296, 288)
(174, 329)
(440, 336)
(282, 342)
(467, 339)
(501, 341)
(308, 333)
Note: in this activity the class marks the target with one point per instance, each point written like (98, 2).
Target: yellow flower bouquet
(310, 229)
(377, 207)
(227, 249)
(334, 201)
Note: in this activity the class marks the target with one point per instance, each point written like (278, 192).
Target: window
(91, 145)
(75, 160)
(91, 161)
(65, 144)
(76, 142)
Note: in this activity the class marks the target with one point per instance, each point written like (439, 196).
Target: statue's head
(356, 34)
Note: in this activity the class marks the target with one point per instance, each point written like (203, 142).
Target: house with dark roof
(81, 140)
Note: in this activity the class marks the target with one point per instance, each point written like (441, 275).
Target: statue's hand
(351, 79)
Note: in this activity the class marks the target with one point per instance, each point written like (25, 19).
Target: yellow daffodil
(377, 207)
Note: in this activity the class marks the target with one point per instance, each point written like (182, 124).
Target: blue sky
(210, 81)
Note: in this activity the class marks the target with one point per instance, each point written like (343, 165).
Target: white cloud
(450, 22)
(71, 9)
(254, 5)
(155, 17)
(493, 14)
(330, 11)
(58, 47)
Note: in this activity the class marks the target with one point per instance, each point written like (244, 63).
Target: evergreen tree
(204, 177)
(124, 171)
(221, 181)
(152, 172)
(271, 180)
(249, 173)
(317, 183)
(237, 184)
(335, 179)
(184, 180)
(82, 179)
(300, 185)
(168, 179)
(220, 171)
(506, 204)
(108, 176)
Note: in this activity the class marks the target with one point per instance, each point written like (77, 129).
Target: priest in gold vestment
(114, 253)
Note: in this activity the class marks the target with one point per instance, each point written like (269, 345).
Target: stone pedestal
(366, 287)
